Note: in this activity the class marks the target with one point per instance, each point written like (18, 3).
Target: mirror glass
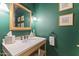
(22, 17)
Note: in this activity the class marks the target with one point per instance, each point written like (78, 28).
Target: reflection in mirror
(21, 19)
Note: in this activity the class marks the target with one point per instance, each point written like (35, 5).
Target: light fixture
(3, 7)
(34, 18)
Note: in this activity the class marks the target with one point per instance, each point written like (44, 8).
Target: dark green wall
(67, 36)
(4, 26)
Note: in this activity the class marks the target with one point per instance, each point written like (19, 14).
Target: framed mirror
(20, 17)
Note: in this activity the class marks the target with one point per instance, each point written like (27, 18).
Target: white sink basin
(21, 45)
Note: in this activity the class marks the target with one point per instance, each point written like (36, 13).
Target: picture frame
(65, 6)
(66, 20)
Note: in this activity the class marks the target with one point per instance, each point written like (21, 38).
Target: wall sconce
(3, 7)
(34, 18)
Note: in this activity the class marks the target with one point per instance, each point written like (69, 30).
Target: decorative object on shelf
(19, 25)
(65, 6)
(22, 18)
(19, 19)
(22, 24)
(66, 20)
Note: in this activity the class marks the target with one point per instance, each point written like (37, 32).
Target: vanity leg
(39, 52)
(45, 49)
(42, 52)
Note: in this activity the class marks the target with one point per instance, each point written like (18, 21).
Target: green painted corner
(67, 37)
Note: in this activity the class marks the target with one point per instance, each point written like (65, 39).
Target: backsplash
(20, 33)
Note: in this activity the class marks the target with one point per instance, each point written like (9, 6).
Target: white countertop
(20, 45)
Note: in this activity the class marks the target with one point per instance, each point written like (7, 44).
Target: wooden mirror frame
(12, 23)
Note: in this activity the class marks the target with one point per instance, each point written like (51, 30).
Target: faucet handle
(22, 37)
